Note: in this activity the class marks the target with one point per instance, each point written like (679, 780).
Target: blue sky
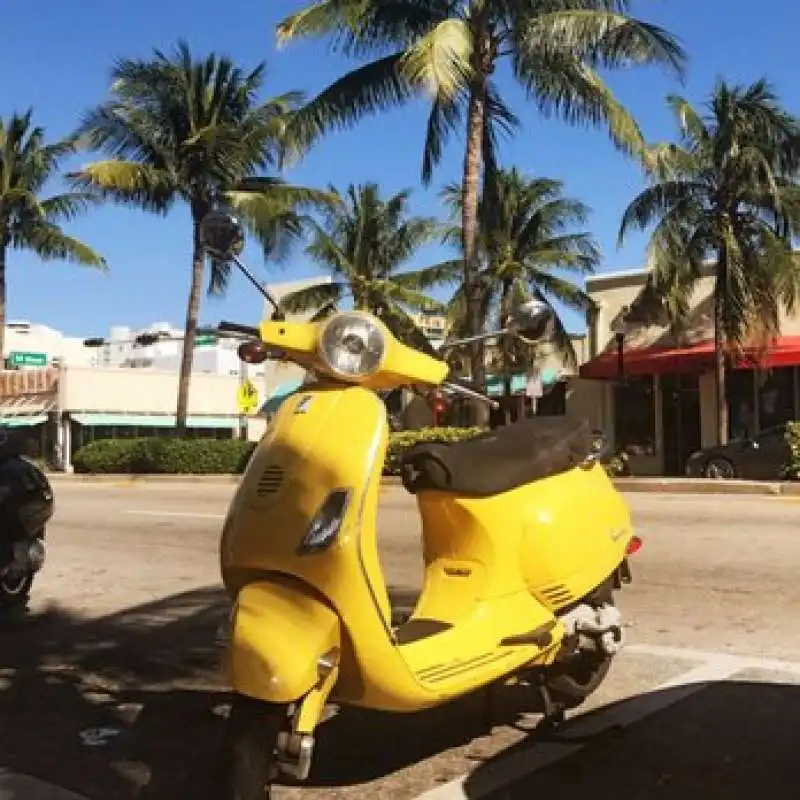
(63, 68)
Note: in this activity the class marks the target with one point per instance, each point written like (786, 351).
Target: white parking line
(714, 667)
(744, 662)
(185, 514)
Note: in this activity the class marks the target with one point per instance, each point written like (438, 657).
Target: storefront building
(652, 389)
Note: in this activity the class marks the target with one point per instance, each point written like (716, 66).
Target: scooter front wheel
(15, 590)
(247, 767)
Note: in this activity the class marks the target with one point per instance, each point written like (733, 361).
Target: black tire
(15, 595)
(246, 768)
(720, 469)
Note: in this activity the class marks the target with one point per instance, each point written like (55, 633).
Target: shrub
(792, 469)
(164, 456)
(401, 441)
(219, 456)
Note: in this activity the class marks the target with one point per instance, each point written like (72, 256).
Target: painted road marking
(744, 662)
(184, 514)
(714, 667)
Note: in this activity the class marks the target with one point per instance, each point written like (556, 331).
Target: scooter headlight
(352, 345)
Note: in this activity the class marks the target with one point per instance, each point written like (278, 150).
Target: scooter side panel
(564, 534)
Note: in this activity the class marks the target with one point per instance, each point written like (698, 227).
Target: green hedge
(218, 456)
(401, 441)
(792, 470)
(163, 456)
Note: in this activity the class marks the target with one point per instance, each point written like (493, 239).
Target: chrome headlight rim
(338, 318)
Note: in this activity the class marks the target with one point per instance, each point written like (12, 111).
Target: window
(776, 397)
(634, 416)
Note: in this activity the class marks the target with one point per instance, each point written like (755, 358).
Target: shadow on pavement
(729, 741)
(151, 674)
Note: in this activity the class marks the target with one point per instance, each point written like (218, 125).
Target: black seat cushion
(499, 460)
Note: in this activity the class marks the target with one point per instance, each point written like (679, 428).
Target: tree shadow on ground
(151, 675)
(732, 740)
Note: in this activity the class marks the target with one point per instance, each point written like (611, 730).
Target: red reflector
(634, 545)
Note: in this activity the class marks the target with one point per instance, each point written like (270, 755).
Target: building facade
(652, 387)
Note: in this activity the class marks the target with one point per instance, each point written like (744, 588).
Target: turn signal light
(634, 545)
(253, 351)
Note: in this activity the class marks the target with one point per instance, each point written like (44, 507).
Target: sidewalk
(650, 484)
(23, 787)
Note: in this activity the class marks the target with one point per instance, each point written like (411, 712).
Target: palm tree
(723, 195)
(27, 221)
(525, 239)
(177, 128)
(365, 241)
(452, 49)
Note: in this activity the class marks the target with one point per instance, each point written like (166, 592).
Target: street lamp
(619, 327)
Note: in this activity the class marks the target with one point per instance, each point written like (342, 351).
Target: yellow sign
(247, 398)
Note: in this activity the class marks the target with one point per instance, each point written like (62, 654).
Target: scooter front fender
(280, 632)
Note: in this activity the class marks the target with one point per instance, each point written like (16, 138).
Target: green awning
(152, 420)
(22, 421)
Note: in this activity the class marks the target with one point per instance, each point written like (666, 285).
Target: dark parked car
(764, 457)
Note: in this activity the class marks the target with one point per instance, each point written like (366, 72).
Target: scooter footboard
(280, 632)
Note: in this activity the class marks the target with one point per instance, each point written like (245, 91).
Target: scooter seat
(499, 460)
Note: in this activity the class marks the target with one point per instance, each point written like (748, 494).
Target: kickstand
(554, 714)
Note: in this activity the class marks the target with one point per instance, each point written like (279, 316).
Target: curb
(633, 485)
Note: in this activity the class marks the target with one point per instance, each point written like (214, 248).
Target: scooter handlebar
(466, 389)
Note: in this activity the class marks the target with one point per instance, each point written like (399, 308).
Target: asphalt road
(706, 689)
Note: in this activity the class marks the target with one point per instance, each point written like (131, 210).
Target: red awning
(784, 352)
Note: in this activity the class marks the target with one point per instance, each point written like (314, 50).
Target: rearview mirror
(530, 320)
(221, 235)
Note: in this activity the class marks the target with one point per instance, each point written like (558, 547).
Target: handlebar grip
(235, 327)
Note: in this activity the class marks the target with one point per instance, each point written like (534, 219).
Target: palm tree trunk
(469, 230)
(719, 372)
(505, 309)
(2, 303)
(190, 328)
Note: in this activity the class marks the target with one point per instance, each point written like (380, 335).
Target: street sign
(247, 397)
(20, 358)
(205, 341)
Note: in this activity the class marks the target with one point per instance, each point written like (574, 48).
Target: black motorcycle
(26, 506)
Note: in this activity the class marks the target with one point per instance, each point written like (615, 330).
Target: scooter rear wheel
(247, 758)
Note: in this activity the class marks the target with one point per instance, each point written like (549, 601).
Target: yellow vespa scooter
(525, 540)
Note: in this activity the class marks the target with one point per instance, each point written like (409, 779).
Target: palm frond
(376, 86)
(440, 61)
(49, 242)
(446, 272)
(68, 206)
(128, 182)
(274, 225)
(313, 297)
(601, 38)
